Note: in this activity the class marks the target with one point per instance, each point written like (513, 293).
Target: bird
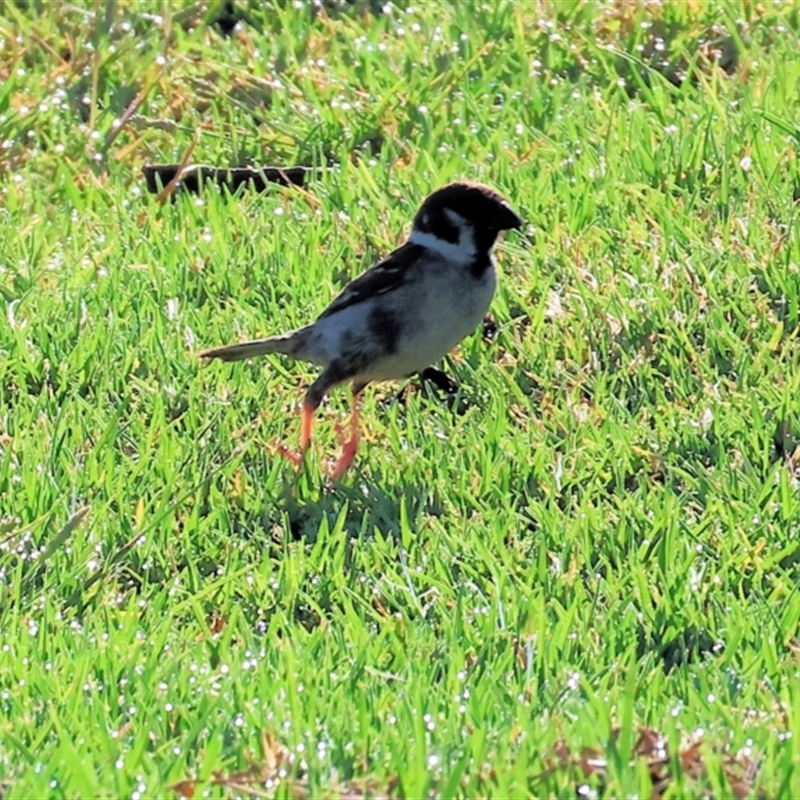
(403, 314)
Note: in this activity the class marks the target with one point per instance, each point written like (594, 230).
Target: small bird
(404, 313)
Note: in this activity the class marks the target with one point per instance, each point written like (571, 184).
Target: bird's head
(465, 218)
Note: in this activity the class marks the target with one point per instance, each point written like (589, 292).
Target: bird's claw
(349, 449)
(345, 460)
(295, 456)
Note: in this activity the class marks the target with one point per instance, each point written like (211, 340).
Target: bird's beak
(507, 220)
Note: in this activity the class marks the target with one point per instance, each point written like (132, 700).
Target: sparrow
(401, 315)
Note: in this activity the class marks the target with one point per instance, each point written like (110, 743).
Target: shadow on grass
(335, 526)
(298, 512)
(357, 508)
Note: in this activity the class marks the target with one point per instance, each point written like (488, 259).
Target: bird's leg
(349, 446)
(306, 425)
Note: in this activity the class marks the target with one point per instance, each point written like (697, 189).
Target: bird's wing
(383, 277)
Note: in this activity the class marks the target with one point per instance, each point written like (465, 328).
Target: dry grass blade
(170, 188)
(259, 779)
(57, 542)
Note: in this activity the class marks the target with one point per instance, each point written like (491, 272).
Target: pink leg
(306, 425)
(349, 446)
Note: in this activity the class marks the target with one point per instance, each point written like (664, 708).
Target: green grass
(601, 535)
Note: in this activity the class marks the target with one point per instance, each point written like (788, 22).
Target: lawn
(577, 573)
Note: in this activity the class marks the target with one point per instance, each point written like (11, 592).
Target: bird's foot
(294, 456)
(307, 423)
(345, 460)
(349, 449)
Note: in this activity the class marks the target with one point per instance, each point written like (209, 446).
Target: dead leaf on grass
(262, 778)
(740, 770)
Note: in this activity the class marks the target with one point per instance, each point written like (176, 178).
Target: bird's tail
(290, 344)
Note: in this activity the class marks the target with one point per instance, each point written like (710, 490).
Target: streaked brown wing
(385, 276)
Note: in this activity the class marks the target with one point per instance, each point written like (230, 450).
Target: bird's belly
(441, 321)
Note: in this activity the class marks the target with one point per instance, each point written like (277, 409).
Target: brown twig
(192, 177)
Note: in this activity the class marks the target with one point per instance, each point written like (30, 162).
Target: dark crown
(484, 208)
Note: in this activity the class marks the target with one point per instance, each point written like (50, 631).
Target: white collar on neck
(461, 252)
